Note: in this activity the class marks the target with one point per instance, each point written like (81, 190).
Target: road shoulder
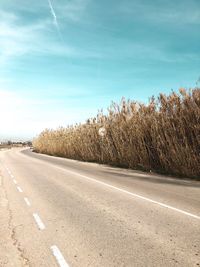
(10, 254)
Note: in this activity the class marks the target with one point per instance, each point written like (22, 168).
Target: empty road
(60, 212)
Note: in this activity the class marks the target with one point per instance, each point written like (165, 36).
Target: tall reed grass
(162, 136)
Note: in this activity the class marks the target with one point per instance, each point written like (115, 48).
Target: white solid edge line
(14, 181)
(39, 221)
(19, 189)
(27, 201)
(59, 257)
(133, 194)
(127, 192)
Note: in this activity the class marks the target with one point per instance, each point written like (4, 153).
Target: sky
(63, 60)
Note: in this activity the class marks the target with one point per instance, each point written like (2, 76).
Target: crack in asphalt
(16, 243)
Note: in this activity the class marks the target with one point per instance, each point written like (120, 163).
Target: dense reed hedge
(162, 136)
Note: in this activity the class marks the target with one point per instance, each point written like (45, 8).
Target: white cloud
(8, 16)
(18, 39)
(170, 12)
(73, 10)
(23, 117)
(14, 40)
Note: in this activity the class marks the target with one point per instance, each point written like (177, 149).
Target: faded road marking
(19, 189)
(39, 221)
(59, 257)
(27, 201)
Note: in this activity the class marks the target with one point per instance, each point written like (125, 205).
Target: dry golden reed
(162, 136)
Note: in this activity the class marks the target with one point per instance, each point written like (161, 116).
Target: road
(61, 212)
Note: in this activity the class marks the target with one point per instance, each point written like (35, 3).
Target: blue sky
(63, 60)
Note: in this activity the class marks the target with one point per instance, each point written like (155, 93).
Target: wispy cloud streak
(53, 13)
(55, 19)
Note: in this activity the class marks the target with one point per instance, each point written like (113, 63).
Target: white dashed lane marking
(39, 222)
(27, 201)
(59, 257)
(55, 250)
(19, 189)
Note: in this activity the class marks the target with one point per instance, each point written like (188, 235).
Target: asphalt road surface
(60, 212)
